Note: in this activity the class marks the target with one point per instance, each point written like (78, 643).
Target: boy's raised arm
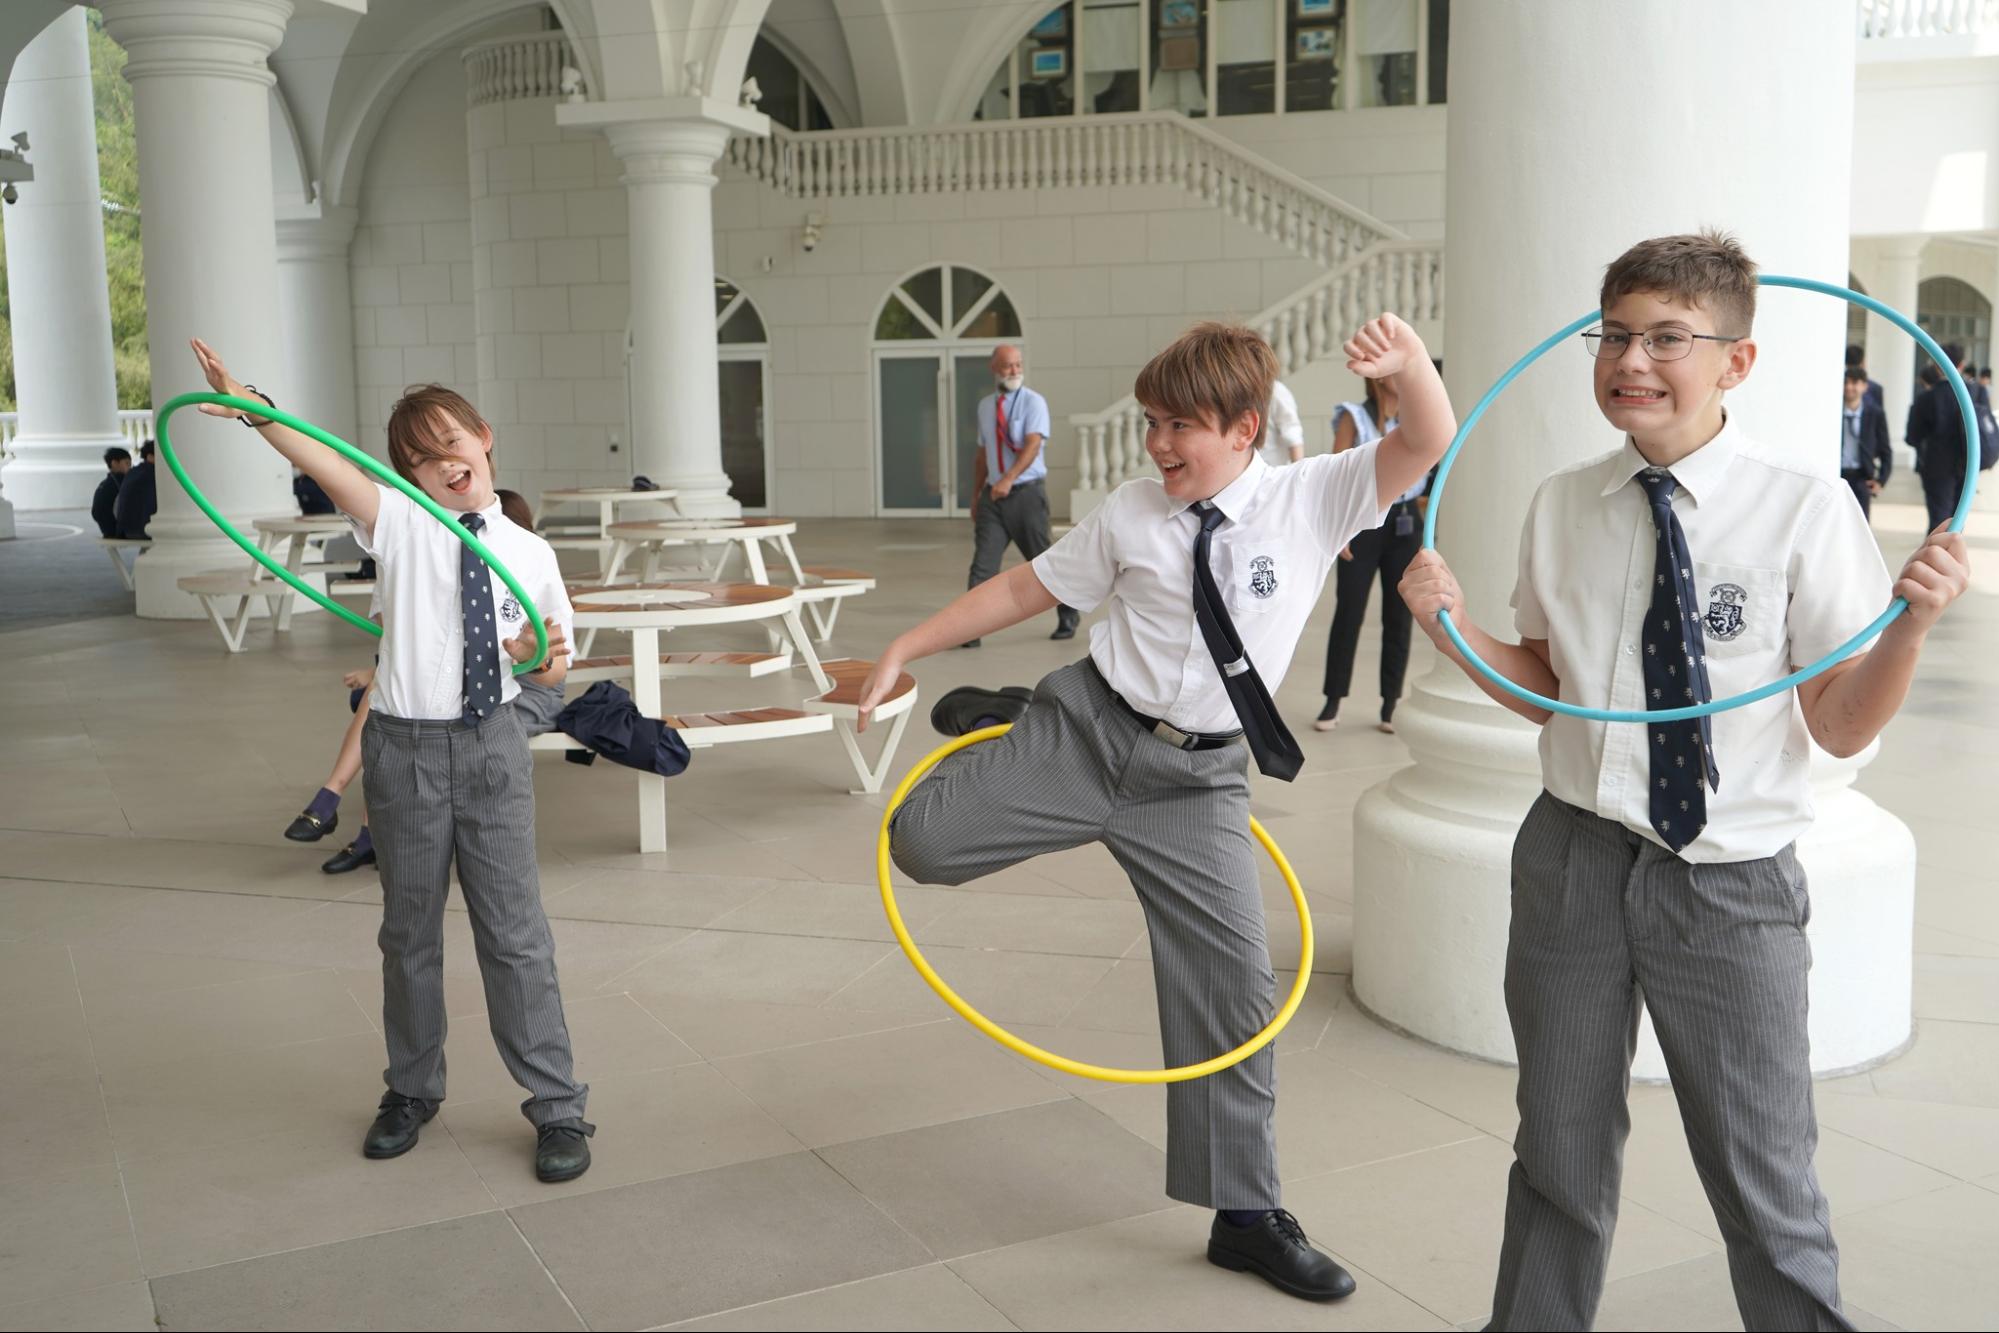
(1387, 348)
(352, 491)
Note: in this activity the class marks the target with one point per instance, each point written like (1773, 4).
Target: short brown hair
(1212, 371)
(420, 420)
(1708, 269)
(515, 506)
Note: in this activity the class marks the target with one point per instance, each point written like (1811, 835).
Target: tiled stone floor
(794, 1134)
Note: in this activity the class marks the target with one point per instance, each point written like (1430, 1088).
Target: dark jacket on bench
(104, 505)
(606, 720)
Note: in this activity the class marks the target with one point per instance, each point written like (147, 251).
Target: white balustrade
(135, 424)
(510, 68)
(1927, 18)
(1148, 148)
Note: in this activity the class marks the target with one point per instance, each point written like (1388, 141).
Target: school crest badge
(510, 609)
(1263, 576)
(1724, 619)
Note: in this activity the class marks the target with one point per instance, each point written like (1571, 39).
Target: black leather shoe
(347, 859)
(1275, 1249)
(562, 1150)
(396, 1126)
(968, 708)
(309, 827)
(1064, 629)
(970, 643)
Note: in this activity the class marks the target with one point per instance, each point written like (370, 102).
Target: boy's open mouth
(1170, 469)
(1626, 393)
(458, 479)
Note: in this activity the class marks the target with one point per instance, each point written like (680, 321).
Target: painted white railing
(1143, 148)
(1308, 325)
(1927, 18)
(135, 424)
(507, 69)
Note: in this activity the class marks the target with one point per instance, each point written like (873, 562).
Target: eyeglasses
(1660, 344)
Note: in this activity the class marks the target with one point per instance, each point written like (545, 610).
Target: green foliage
(124, 266)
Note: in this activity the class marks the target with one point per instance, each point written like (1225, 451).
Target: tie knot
(472, 522)
(1211, 517)
(1659, 485)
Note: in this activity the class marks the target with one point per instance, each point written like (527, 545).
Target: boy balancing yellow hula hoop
(1063, 1063)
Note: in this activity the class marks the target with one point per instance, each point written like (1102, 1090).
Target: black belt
(1166, 731)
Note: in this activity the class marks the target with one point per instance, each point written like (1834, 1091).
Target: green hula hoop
(257, 407)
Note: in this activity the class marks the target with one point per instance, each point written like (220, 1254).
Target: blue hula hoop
(1761, 692)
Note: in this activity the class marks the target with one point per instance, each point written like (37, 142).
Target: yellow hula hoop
(1063, 1063)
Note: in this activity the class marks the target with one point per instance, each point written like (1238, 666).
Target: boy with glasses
(1688, 565)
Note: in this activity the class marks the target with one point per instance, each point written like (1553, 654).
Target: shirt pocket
(1257, 577)
(1743, 609)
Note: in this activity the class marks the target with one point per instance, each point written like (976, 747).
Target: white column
(669, 148)
(1580, 156)
(316, 301)
(1892, 355)
(200, 99)
(64, 382)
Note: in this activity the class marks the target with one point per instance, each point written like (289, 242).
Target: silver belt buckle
(1175, 737)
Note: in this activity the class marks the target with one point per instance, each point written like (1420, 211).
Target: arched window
(933, 344)
(743, 375)
(788, 96)
(1951, 311)
(948, 301)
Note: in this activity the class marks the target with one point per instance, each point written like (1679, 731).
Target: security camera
(810, 238)
(21, 142)
(10, 195)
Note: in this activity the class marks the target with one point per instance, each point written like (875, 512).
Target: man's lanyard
(1003, 414)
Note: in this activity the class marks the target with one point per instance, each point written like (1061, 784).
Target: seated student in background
(138, 497)
(104, 504)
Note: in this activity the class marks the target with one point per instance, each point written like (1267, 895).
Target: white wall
(1388, 161)
(411, 258)
(551, 289)
(1926, 147)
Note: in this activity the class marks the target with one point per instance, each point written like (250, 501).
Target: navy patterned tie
(482, 644)
(1675, 676)
(1277, 754)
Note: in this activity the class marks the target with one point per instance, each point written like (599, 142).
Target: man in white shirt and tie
(1010, 486)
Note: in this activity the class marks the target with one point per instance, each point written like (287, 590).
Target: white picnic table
(605, 499)
(295, 535)
(656, 536)
(645, 611)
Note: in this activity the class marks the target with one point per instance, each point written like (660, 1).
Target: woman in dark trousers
(1384, 553)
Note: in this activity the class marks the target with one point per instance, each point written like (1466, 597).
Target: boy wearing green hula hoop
(1687, 566)
(445, 763)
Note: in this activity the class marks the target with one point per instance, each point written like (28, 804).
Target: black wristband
(244, 417)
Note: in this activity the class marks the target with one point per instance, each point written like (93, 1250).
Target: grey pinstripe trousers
(1604, 920)
(443, 790)
(1078, 769)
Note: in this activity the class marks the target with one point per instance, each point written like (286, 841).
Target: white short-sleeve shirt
(422, 670)
(1136, 550)
(1282, 430)
(1026, 414)
(1786, 569)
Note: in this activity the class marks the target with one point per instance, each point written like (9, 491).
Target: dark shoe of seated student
(1274, 1248)
(320, 817)
(358, 853)
(398, 1121)
(562, 1150)
(969, 707)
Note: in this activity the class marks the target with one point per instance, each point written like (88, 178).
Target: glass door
(745, 443)
(915, 470)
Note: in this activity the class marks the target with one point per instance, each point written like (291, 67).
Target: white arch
(349, 140)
